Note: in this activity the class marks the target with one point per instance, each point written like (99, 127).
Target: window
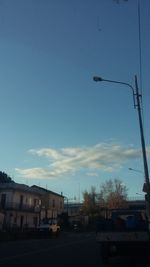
(35, 202)
(53, 203)
(3, 201)
(30, 201)
(21, 202)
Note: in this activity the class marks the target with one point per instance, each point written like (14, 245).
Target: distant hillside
(4, 178)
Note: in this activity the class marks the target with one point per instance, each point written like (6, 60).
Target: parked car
(50, 226)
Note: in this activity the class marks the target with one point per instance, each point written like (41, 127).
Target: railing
(19, 207)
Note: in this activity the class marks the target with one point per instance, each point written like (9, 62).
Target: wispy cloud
(93, 174)
(67, 161)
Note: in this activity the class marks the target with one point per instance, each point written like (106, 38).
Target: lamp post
(137, 104)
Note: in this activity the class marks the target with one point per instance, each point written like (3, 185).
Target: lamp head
(97, 79)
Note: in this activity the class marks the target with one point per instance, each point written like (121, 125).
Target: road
(69, 250)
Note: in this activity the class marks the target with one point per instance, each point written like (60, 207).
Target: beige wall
(53, 204)
(27, 216)
(18, 219)
(14, 197)
(28, 198)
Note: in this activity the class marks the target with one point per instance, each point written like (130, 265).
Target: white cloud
(92, 174)
(38, 173)
(67, 161)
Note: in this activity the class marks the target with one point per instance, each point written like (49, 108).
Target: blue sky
(59, 129)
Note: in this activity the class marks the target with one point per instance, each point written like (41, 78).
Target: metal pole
(136, 99)
(146, 172)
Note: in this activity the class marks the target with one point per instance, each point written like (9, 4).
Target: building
(52, 204)
(22, 206)
(74, 213)
(73, 210)
(139, 204)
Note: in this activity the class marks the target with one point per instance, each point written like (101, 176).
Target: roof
(34, 189)
(45, 191)
(18, 187)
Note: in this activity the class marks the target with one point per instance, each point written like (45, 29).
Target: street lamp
(136, 100)
(100, 79)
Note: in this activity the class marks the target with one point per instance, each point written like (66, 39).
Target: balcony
(19, 207)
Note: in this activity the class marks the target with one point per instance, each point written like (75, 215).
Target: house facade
(22, 206)
(52, 204)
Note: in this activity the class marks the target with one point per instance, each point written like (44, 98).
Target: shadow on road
(132, 260)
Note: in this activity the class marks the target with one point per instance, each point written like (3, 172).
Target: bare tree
(114, 194)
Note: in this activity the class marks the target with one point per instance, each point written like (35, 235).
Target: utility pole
(137, 104)
(146, 186)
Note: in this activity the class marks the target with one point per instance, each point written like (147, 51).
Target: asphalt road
(67, 250)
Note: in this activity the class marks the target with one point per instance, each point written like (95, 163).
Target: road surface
(67, 250)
